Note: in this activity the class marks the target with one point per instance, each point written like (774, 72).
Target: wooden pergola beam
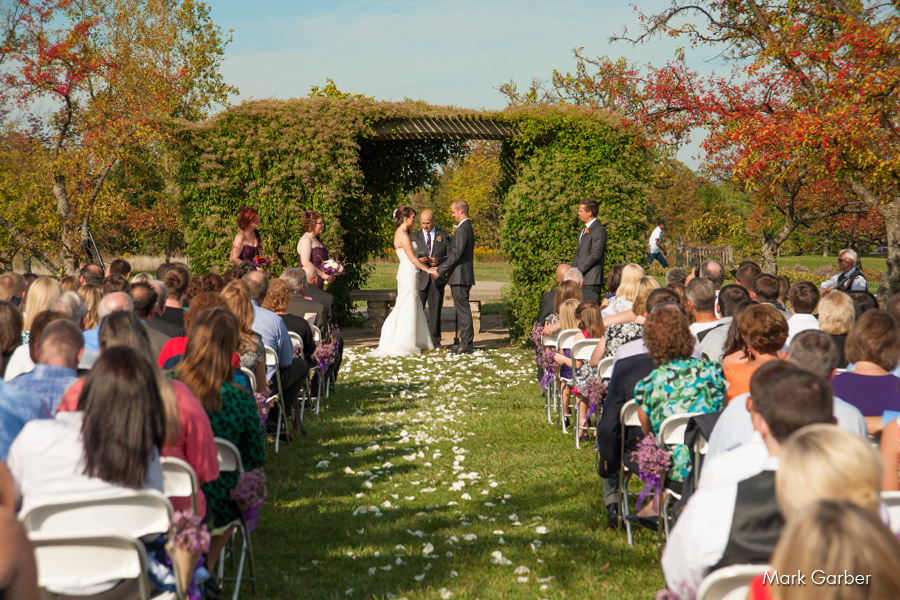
(444, 128)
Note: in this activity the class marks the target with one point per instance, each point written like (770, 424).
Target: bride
(405, 331)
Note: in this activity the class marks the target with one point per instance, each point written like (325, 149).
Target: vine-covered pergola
(355, 160)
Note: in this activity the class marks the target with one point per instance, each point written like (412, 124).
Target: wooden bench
(380, 303)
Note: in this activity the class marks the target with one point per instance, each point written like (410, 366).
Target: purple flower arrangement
(262, 407)
(652, 463)
(190, 533)
(546, 361)
(261, 261)
(324, 352)
(537, 331)
(595, 392)
(250, 494)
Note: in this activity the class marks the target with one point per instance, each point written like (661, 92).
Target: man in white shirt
(803, 298)
(701, 295)
(657, 252)
(740, 523)
(712, 341)
(850, 278)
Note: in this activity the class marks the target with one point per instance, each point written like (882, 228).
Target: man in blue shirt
(58, 355)
(17, 407)
(274, 333)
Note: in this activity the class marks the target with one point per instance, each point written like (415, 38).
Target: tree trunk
(891, 214)
(771, 244)
(825, 248)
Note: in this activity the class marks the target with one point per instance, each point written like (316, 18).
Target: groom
(459, 261)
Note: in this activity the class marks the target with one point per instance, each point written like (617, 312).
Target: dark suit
(299, 306)
(323, 298)
(459, 264)
(431, 290)
(157, 339)
(590, 255)
(165, 327)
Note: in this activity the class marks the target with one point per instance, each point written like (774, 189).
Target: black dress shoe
(464, 351)
(651, 523)
(612, 517)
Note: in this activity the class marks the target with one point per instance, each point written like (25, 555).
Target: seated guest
(711, 342)
(759, 333)
(109, 303)
(278, 300)
(679, 384)
(10, 332)
(91, 295)
(850, 278)
(91, 273)
(198, 285)
(69, 283)
(206, 369)
(24, 358)
(274, 333)
(740, 523)
(176, 279)
(715, 272)
(18, 567)
(37, 300)
(638, 346)
(325, 299)
(873, 345)
(301, 306)
(82, 452)
(746, 275)
(566, 290)
(811, 351)
(114, 283)
(12, 288)
(174, 349)
(784, 286)
(567, 322)
(613, 280)
(189, 435)
(804, 298)
(679, 290)
(629, 324)
(18, 407)
(236, 295)
(590, 323)
(589, 295)
(837, 314)
(119, 266)
(676, 275)
(863, 301)
(58, 352)
(70, 304)
(144, 298)
(701, 297)
(627, 291)
(766, 289)
(156, 322)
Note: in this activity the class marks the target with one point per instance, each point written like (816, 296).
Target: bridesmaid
(247, 242)
(312, 252)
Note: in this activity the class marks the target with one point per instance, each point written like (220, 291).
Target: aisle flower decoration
(250, 494)
(595, 392)
(262, 405)
(537, 332)
(325, 351)
(652, 463)
(189, 540)
(332, 267)
(546, 361)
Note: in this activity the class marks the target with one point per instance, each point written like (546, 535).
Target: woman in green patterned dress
(679, 384)
(206, 369)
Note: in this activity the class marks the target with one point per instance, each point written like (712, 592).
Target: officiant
(432, 246)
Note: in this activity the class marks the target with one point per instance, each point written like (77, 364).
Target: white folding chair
(230, 461)
(179, 480)
(605, 367)
(272, 361)
(891, 501)
(78, 561)
(701, 445)
(671, 433)
(251, 377)
(582, 351)
(729, 583)
(628, 417)
(296, 340)
(566, 341)
(550, 341)
(324, 378)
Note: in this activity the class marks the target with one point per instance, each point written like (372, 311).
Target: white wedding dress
(405, 331)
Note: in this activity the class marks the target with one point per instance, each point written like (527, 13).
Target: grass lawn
(384, 277)
(813, 262)
(436, 477)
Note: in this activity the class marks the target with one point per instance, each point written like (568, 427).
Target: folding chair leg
(577, 426)
(549, 396)
(278, 427)
(252, 577)
(319, 397)
(240, 569)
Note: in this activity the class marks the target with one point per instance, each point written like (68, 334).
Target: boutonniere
(438, 238)
(587, 230)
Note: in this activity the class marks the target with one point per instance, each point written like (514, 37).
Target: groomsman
(459, 266)
(433, 244)
(591, 250)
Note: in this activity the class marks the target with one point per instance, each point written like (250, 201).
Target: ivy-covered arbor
(355, 160)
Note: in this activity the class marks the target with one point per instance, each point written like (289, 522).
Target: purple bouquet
(652, 463)
(595, 392)
(546, 361)
(332, 267)
(250, 494)
(190, 533)
(324, 352)
(262, 407)
(537, 331)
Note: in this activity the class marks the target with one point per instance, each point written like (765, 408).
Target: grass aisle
(435, 477)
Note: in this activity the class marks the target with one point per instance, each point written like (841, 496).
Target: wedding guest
(760, 331)
(215, 280)
(119, 266)
(176, 280)
(567, 321)
(56, 368)
(155, 322)
(302, 306)
(701, 297)
(174, 348)
(548, 300)
(873, 346)
(247, 242)
(676, 275)
(637, 345)
(206, 369)
(145, 299)
(628, 325)
(253, 356)
(113, 283)
(784, 286)
(108, 304)
(18, 567)
(590, 322)
(91, 295)
(627, 291)
(863, 301)
(12, 288)
(311, 251)
(24, 358)
(590, 252)
(587, 293)
(278, 300)
(613, 280)
(766, 289)
(746, 275)
(37, 299)
(198, 285)
(681, 292)
(69, 283)
(18, 407)
(91, 273)
(566, 290)
(10, 333)
(837, 315)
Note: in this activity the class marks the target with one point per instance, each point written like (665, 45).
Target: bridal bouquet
(261, 261)
(250, 494)
(652, 463)
(332, 267)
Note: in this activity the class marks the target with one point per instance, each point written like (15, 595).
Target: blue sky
(443, 52)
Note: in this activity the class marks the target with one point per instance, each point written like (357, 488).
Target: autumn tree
(117, 72)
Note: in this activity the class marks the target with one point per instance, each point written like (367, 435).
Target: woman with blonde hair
(837, 314)
(627, 325)
(566, 290)
(567, 320)
(91, 295)
(590, 321)
(627, 290)
(37, 299)
(237, 298)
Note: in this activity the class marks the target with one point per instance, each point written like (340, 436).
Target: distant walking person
(433, 244)
(591, 250)
(459, 266)
(657, 252)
